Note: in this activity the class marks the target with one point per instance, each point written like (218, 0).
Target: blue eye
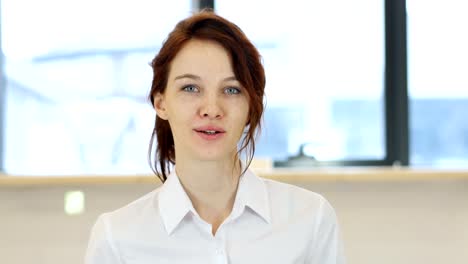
(232, 90)
(190, 88)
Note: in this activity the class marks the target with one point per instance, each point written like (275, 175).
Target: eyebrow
(187, 75)
(195, 77)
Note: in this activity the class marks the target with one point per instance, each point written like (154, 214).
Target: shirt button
(219, 251)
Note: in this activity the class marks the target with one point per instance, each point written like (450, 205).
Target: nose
(211, 107)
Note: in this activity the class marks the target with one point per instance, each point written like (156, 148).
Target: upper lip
(210, 128)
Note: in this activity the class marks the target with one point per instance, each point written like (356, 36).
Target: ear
(160, 106)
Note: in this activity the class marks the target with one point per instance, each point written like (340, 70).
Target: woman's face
(205, 105)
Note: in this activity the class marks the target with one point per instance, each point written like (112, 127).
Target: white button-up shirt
(271, 222)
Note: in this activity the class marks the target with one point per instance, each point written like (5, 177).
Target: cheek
(181, 112)
(178, 123)
(175, 121)
(245, 111)
(242, 116)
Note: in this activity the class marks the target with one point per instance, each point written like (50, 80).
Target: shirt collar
(174, 203)
(252, 193)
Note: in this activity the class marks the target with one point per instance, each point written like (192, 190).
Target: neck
(211, 186)
(208, 176)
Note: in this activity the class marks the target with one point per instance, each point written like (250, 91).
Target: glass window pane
(324, 65)
(77, 77)
(438, 82)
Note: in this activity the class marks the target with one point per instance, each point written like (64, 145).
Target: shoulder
(137, 206)
(290, 200)
(114, 230)
(133, 217)
(292, 193)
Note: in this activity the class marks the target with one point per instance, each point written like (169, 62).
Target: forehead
(199, 56)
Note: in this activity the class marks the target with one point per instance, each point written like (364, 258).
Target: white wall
(424, 221)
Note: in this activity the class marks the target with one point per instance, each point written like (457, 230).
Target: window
(438, 82)
(77, 77)
(324, 63)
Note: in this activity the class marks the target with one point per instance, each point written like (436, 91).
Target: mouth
(210, 133)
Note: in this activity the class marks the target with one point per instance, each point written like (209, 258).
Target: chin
(211, 157)
(214, 155)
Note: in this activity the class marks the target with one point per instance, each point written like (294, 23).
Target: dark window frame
(396, 99)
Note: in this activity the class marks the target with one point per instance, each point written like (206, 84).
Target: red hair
(247, 66)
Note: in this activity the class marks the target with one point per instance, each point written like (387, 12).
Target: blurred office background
(349, 83)
(76, 76)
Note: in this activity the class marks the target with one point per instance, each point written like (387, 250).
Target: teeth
(211, 132)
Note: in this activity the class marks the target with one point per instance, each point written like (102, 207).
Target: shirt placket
(220, 254)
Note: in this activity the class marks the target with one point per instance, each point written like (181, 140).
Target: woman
(208, 90)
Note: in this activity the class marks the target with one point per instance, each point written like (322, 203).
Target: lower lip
(210, 136)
